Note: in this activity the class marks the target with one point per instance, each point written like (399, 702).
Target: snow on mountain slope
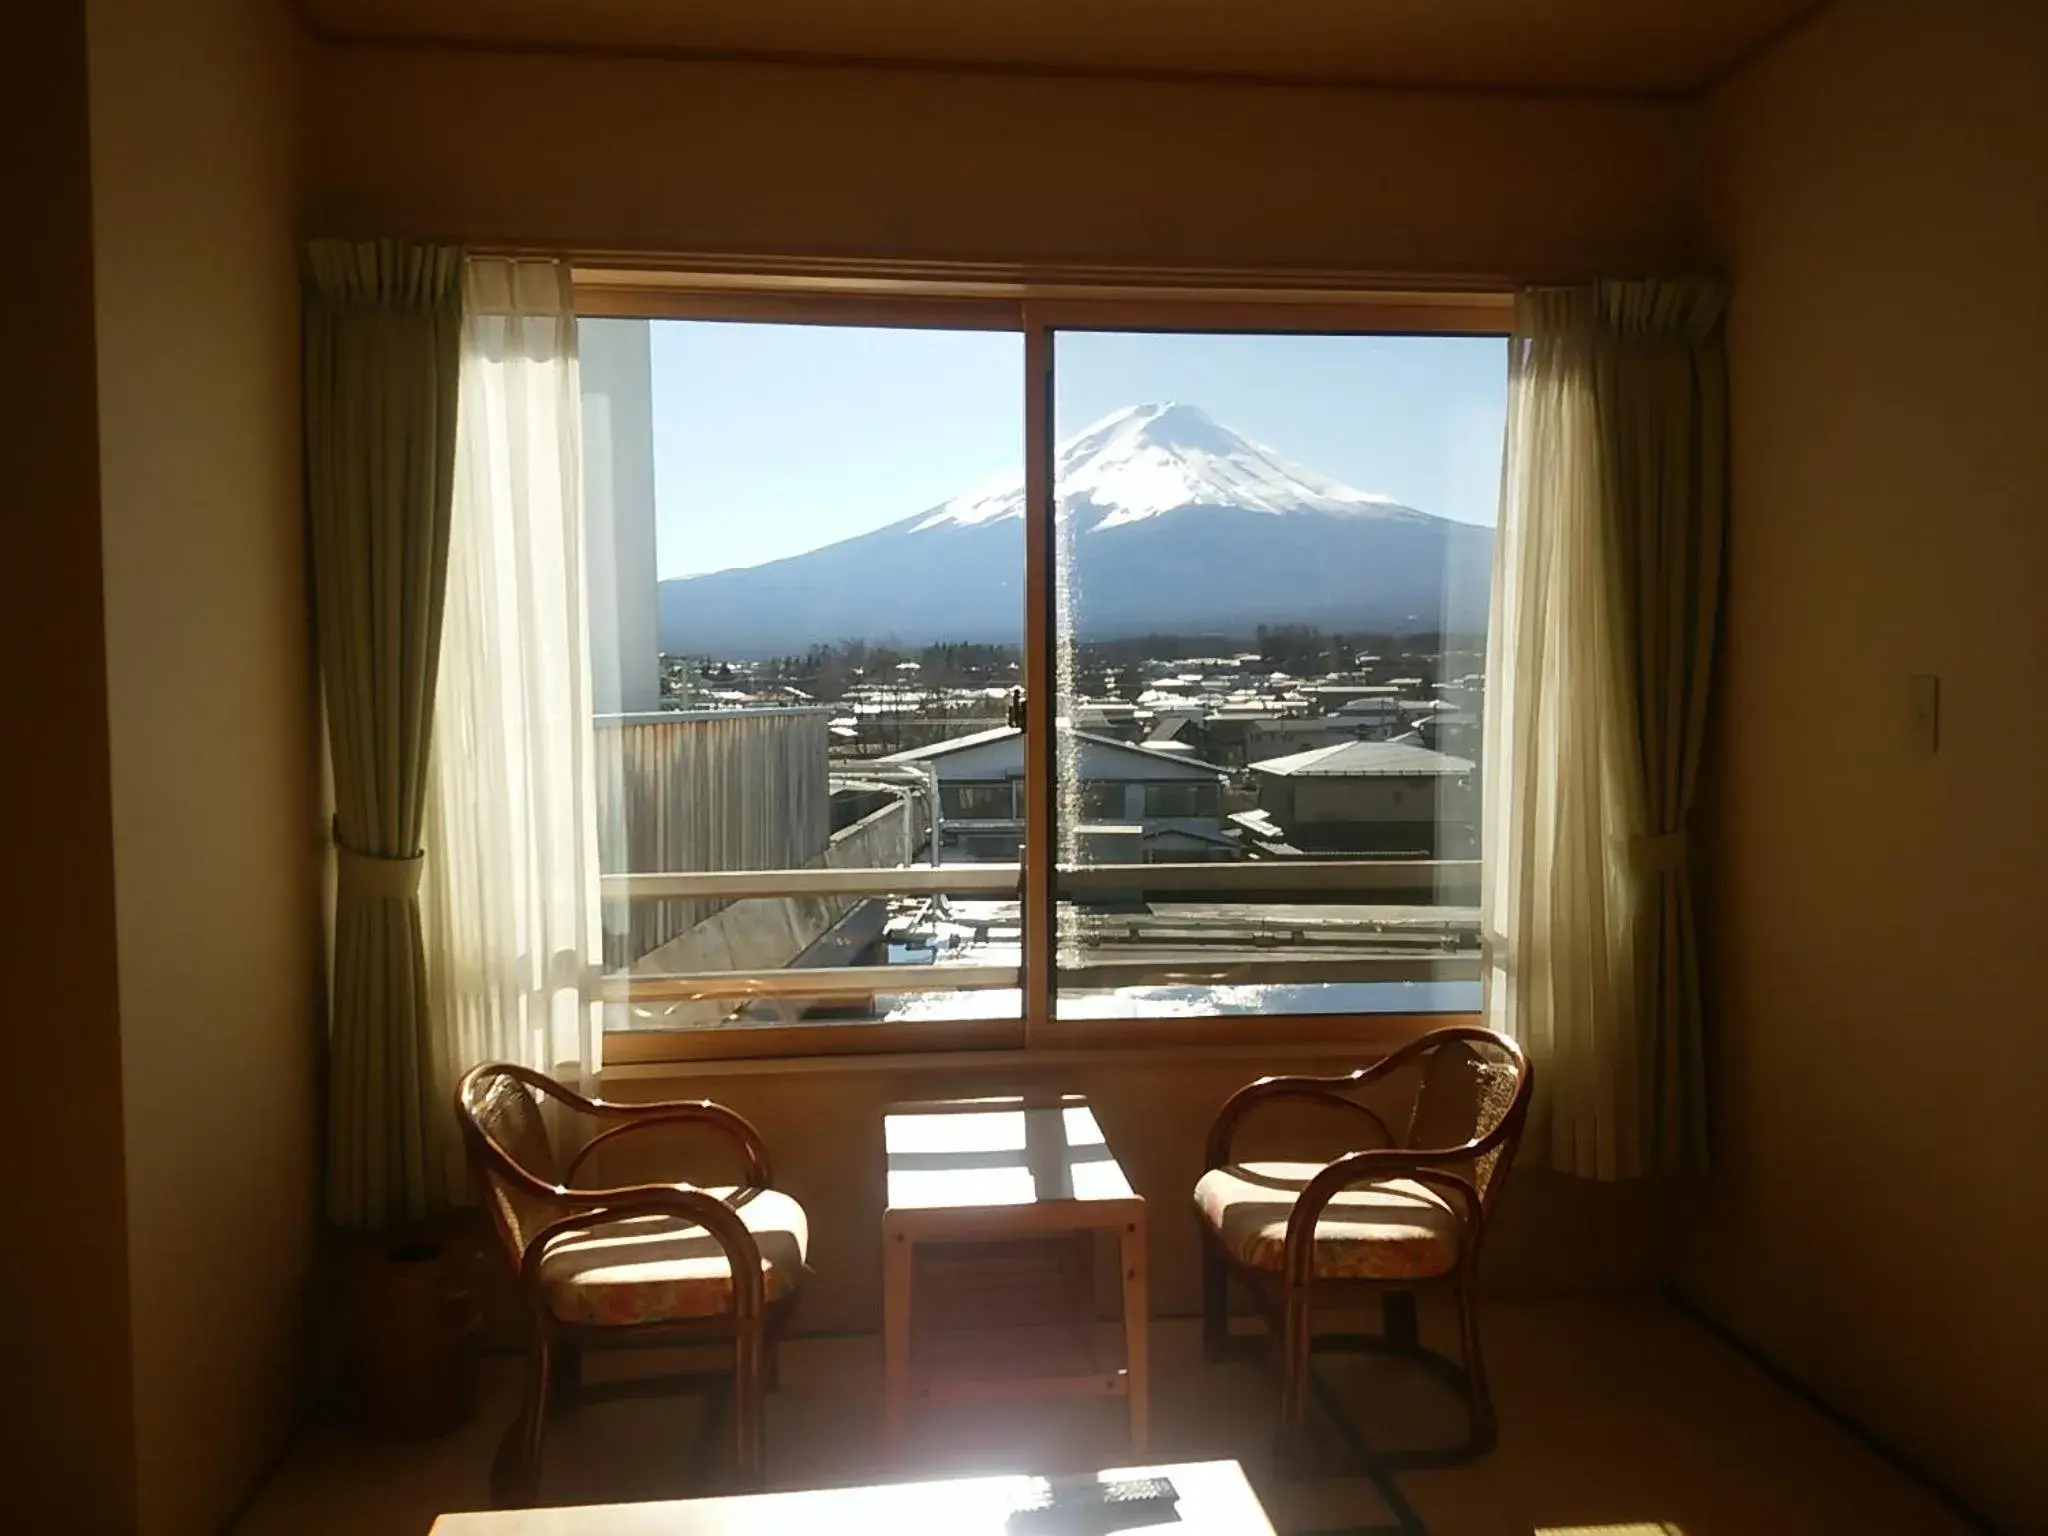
(1147, 459)
(1179, 526)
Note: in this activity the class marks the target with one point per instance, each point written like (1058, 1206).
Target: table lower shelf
(978, 1365)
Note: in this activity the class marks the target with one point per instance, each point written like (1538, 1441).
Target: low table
(1003, 1170)
(1215, 1500)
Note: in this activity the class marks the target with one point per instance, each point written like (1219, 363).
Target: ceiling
(1648, 46)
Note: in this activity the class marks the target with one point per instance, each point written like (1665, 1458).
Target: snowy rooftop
(1367, 759)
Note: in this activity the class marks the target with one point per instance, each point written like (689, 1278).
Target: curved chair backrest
(510, 1151)
(1474, 1088)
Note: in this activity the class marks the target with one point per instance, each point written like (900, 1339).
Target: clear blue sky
(773, 439)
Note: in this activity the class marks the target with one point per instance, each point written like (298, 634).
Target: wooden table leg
(896, 1256)
(1137, 1335)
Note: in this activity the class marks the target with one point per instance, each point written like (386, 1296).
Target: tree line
(1112, 668)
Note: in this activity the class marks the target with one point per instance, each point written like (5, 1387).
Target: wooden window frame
(1036, 303)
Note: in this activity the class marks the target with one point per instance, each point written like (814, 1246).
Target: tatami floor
(1612, 1413)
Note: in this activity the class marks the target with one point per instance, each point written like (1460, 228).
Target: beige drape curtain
(382, 329)
(1662, 384)
(1606, 580)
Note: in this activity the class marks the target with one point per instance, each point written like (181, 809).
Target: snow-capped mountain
(1146, 460)
(1170, 522)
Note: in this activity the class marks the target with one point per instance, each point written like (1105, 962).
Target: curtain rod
(992, 277)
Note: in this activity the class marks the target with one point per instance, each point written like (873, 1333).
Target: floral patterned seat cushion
(1391, 1229)
(653, 1269)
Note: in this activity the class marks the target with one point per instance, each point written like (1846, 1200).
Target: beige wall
(1872, 917)
(648, 154)
(194, 165)
(67, 1458)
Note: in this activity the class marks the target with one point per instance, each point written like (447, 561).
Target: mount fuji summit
(1169, 522)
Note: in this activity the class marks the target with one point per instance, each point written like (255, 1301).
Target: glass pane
(1274, 561)
(805, 638)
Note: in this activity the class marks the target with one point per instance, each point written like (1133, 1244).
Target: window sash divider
(1041, 765)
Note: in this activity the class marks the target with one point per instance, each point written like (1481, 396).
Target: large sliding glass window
(967, 680)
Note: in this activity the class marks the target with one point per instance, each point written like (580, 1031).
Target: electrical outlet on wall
(1923, 714)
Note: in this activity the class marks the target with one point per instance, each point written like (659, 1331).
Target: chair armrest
(735, 1125)
(598, 1206)
(640, 1117)
(1358, 1168)
(1328, 1091)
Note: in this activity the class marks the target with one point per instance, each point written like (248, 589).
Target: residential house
(1132, 803)
(1389, 798)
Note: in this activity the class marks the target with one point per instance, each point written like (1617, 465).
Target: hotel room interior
(332, 679)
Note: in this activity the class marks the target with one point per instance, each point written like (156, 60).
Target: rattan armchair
(1381, 1223)
(666, 1263)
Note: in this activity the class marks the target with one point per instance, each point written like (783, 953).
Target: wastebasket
(411, 1315)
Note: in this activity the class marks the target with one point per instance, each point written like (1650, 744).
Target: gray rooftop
(1367, 759)
(999, 733)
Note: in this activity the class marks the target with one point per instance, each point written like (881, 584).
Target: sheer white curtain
(510, 894)
(1559, 900)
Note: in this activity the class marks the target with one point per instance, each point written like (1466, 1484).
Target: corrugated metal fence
(705, 790)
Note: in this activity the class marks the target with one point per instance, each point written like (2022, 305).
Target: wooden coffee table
(1215, 1500)
(991, 1171)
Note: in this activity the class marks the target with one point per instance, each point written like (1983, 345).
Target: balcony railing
(1357, 920)
(1329, 876)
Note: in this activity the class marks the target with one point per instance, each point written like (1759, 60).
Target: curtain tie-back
(379, 877)
(1658, 853)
